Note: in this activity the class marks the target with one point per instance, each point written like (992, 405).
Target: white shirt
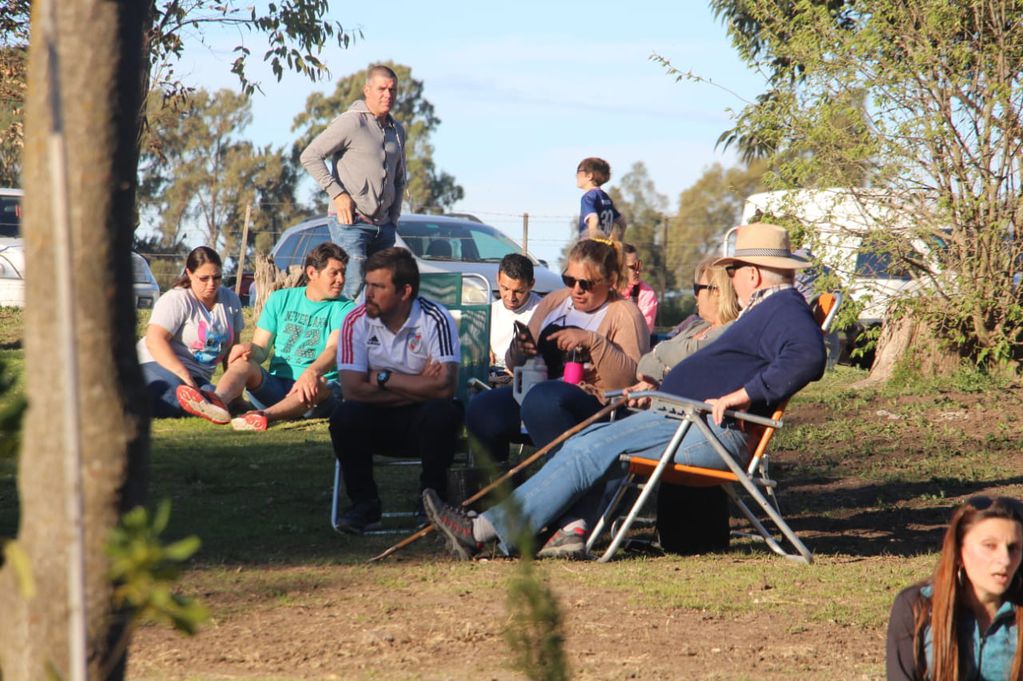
(565, 314)
(502, 325)
(366, 344)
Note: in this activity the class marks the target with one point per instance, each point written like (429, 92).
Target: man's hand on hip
(345, 208)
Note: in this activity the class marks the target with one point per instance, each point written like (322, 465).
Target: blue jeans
(591, 457)
(273, 389)
(360, 240)
(550, 408)
(162, 385)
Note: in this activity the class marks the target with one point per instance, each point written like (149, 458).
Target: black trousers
(428, 430)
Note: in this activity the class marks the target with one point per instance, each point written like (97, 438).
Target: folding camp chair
(754, 479)
(467, 297)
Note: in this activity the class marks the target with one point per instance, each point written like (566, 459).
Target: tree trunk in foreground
(101, 67)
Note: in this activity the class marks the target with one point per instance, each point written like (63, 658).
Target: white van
(839, 223)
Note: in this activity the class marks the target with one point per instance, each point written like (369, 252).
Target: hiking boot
(362, 516)
(564, 543)
(452, 522)
(204, 404)
(250, 420)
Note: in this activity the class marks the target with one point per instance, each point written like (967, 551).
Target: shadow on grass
(264, 499)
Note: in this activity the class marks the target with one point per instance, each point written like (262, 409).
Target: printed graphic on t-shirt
(301, 341)
(210, 344)
(415, 341)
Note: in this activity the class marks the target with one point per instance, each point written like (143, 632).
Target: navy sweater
(773, 351)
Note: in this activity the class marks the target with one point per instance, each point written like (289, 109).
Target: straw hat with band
(765, 245)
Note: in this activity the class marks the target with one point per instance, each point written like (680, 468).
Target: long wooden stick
(422, 532)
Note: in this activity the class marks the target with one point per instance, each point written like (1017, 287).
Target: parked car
(12, 250)
(440, 243)
(144, 285)
(12, 259)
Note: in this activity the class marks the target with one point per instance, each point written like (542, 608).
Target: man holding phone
(510, 314)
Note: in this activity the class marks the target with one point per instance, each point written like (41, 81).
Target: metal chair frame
(754, 479)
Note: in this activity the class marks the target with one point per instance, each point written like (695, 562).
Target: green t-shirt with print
(301, 328)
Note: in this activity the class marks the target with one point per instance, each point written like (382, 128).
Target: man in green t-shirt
(301, 325)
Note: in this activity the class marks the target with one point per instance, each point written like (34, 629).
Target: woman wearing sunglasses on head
(965, 622)
(587, 320)
(191, 330)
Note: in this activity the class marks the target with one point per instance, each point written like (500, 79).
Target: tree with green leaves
(921, 103)
(102, 53)
(13, 57)
(429, 189)
(706, 209)
(199, 171)
(636, 197)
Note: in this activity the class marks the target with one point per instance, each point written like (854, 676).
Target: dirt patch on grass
(453, 628)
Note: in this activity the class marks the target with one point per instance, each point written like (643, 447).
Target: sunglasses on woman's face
(703, 287)
(584, 284)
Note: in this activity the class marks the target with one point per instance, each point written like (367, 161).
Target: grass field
(869, 476)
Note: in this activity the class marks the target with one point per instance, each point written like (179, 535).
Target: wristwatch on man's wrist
(383, 376)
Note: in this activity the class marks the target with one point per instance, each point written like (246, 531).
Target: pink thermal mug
(573, 373)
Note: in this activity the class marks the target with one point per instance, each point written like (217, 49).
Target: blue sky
(526, 90)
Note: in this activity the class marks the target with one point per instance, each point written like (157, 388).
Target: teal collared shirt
(989, 654)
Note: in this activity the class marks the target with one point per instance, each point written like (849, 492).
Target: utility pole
(525, 233)
(242, 249)
(664, 252)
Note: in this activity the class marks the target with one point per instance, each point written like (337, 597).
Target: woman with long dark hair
(192, 329)
(966, 621)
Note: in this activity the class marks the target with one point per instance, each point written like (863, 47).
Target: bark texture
(905, 339)
(99, 44)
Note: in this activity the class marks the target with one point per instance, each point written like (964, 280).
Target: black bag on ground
(692, 519)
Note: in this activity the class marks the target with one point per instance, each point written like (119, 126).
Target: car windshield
(10, 216)
(451, 240)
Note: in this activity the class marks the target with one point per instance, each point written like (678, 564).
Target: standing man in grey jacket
(365, 150)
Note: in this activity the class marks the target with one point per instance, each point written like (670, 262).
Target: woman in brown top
(589, 318)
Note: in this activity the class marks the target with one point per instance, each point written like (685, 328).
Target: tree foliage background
(199, 171)
(916, 100)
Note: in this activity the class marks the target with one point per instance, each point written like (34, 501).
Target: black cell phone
(524, 334)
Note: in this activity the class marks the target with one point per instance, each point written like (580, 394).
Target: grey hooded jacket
(367, 160)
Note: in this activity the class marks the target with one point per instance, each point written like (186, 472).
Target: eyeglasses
(584, 284)
(735, 267)
(206, 278)
(703, 287)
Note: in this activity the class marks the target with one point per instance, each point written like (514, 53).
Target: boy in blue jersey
(302, 325)
(598, 217)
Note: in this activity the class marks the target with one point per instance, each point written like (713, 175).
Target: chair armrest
(684, 405)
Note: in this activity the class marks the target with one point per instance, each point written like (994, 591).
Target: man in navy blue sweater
(773, 349)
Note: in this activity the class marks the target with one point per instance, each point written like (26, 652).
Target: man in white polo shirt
(398, 360)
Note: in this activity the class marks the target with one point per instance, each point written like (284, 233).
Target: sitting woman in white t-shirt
(588, 317)
(192, 329)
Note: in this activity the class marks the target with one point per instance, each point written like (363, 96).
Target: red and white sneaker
(250, 420)
(203, 404)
